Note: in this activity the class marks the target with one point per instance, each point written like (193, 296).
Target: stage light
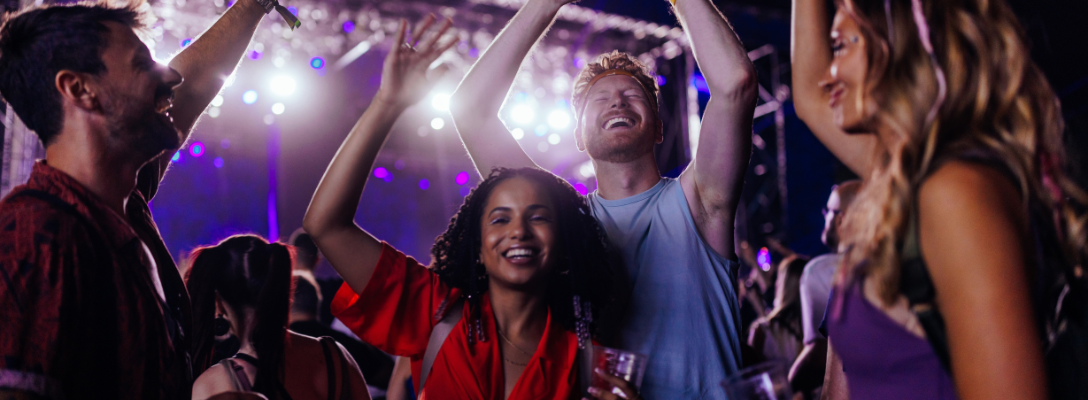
(763, 258)
(283, 85)
(218, 162)
(660, 80)
(279, 62)
(196, 149)
(249, 97)
(559, 119)
(217, 101)
(185, 43)
(277, 108)
(255, 55)
(517, 133)
(522, 114)
(553, 138)
(582, 189)
(176, 157)
(224, 143)
(441, 102)
(380, 173)
(586, 169)
(213, 112)
(293, 10)
(438, 123)
(700, 83)
(399, 164)
(229, 80)
(542, 147)
(269, 119)
(348, 26)
(424, 184)
(317, 63)
(462, 178)
(465, 191)
(541, 130)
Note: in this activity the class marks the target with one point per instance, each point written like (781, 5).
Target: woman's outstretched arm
(330, 219)
(810, 48)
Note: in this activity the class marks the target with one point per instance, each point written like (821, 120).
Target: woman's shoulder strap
(329, 346)
(237, 374)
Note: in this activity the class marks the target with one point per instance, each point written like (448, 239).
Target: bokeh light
(517, 133)
(348, 26)
(213, 112)
(196, 149)
(582, 189)
(424, 184)
(465, 190)
(540, 130)
(218, 162)
(249, 97)
(185, 43)
(586, 169)
(217, 101)
(317, 63)
(553, 138)
(542, 147)
(380, 173)
(283, 85)
(763, 258)
(462, 178)
(278, 108)
(441, 102)
(225, 143)
(176, 157)
(438, 123)
(399, 164)
(522, 114)
(559, 119)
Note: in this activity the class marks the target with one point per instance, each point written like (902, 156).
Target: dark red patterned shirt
(81, 315)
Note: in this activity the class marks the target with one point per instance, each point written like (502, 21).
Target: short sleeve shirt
(91, 303)
(399, 308)
(815, 289)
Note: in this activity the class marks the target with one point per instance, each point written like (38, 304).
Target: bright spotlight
(586, 169)
(438, 123)
(441, 102)
(217, 101)
(249, 97)
(559, 119)
(522, 114)
(517, 133)
(283, 85)
(229, 80)
(553, 138)
(277, 108)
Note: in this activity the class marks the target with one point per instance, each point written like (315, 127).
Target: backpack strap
(439, 334)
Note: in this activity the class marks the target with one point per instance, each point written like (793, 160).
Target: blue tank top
(683, 312)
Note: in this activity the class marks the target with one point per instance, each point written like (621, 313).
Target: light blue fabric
(684, 311)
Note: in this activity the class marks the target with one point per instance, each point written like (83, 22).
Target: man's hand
(404, 75)
(620, 389)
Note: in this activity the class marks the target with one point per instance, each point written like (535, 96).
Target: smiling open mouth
(619, 122)
(520, 254)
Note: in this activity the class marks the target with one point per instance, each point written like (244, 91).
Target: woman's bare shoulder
(213, 381)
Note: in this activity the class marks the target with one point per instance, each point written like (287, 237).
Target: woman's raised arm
(330, 219)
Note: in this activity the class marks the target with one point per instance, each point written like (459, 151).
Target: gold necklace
(512, 343)
(514, 363)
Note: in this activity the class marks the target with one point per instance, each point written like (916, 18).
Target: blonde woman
(938, 106)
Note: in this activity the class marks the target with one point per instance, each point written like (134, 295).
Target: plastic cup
(764, 381)
(626, 365)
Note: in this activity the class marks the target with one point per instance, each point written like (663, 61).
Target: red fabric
(79, 309)
(396, 313)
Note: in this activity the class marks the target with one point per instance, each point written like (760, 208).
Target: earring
(220, 326)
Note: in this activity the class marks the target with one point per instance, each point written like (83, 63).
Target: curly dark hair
(586, 269)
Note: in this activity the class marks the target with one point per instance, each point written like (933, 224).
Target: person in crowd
(375, 365)
(242, 287)
(778, 335)
(675, 235)
(807, 372)
(94, 304)
(938, 106)
(307, 258)
(522, 269)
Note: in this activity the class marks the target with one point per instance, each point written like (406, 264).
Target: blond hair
(605, 62)
(997, 101)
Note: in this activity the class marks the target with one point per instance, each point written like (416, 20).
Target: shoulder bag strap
(438, 336)
(330, 367)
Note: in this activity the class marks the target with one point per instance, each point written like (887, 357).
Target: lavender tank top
(881, 358)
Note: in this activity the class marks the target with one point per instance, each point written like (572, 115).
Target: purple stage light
(218, 162)
(424, 184)
(388, 178)
(474, 52)
(255, 55)
(224, 143)
(293, 10)
(763, 258)
(196, 149)
(462, 178)
(348, 26)
(185, 43)
(176, 157)
(661, 80)
(582, 189)
(380, 173)
(317, 63)
(700, 83)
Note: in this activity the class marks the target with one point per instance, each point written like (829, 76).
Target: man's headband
(611, 72)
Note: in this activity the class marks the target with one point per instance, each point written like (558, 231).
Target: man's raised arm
(476, 103)
(725, 139)
(206, 63)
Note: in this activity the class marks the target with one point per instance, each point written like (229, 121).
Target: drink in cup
(626, 365)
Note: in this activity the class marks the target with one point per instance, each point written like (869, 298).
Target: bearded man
(675, 235)
(91, 302)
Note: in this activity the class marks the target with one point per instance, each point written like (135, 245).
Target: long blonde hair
(996, 100)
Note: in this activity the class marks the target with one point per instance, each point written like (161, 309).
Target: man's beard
(616, 150)
(136, 127)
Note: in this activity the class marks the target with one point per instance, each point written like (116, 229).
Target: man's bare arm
(206, 63)
(725, 139)
(476, 103)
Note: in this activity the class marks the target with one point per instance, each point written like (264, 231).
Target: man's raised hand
(404, 75)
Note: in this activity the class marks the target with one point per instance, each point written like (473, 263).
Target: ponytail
(201, 281)
(270, 323)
